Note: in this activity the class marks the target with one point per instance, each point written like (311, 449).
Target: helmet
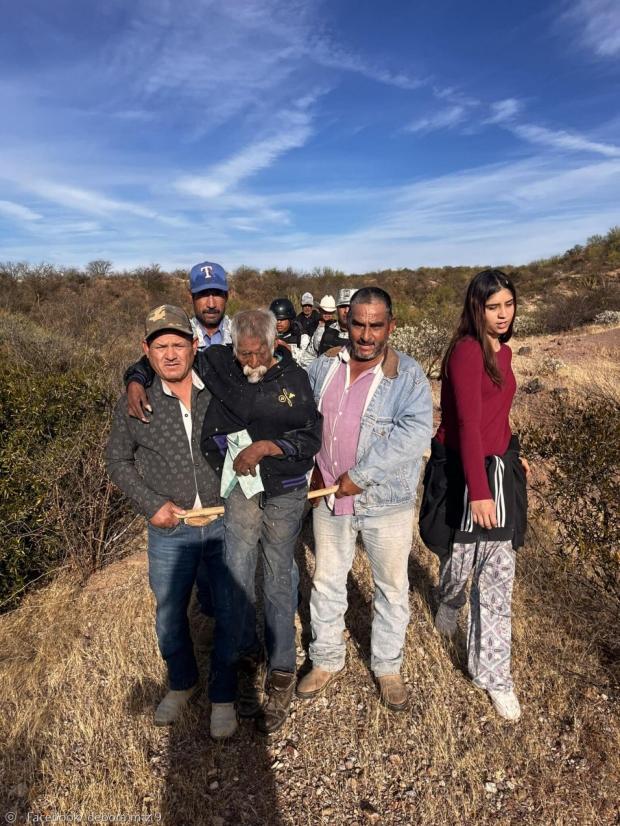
(282, 309)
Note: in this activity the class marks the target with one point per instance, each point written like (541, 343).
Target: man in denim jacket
(377, 409)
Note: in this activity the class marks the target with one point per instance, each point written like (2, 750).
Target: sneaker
(251, 686)
(280, 690)
(223, 720)
(170, 708)
(392, 692)
(445, 620)
(315, 682)
(506, 704)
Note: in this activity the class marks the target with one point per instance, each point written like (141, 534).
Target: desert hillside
(81, 676)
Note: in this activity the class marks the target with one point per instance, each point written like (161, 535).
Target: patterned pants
(489, 632)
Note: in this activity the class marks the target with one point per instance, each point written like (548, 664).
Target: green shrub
(55, 500)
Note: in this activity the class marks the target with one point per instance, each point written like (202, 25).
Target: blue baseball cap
(207, 276)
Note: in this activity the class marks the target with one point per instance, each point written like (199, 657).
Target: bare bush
(426, 342)
(577, 444)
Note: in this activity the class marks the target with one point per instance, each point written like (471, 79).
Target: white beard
(254, 375)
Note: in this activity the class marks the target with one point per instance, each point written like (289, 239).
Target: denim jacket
(395, 431)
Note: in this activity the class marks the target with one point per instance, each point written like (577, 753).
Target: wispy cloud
(566, 141)
(504, 110)
(598, 23)
(334, 56)
(512, 212)
(444, 119)
(293, 130)
(18, 212)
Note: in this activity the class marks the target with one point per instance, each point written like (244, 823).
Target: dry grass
(81, 676)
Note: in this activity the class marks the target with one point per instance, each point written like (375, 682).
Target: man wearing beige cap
(308, 318)
(159, 466)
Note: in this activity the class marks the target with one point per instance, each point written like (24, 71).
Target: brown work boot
(280, 690)
(315, 682)
(393, 692)
(250, 686)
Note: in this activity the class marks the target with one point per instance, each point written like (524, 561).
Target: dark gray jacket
(152, 463)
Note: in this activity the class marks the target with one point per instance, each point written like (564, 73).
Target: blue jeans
(387, 539)
(175, 555)
(277, 527)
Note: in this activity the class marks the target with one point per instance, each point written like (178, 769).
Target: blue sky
(354, 134)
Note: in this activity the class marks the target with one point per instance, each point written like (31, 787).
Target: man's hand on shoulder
(346, 487)
(138, 406)
(167, 516)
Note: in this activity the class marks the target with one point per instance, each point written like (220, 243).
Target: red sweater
(475, 412)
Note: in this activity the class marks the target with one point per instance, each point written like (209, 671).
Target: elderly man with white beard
(262, 397)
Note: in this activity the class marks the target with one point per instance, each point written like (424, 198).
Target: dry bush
(426, 342)
(577, 443)
(585, 299)
(56, 503)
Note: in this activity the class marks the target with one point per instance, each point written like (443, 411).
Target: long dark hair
(473, 323)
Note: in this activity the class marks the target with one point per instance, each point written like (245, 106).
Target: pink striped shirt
(342, 407)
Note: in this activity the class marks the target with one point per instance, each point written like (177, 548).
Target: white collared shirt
(187, 421)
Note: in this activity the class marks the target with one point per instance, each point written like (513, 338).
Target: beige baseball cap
(170, 318)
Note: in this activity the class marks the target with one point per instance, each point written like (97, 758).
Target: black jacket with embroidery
(445, 512)
(279, 408)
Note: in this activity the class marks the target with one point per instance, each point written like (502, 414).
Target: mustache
(254, 374)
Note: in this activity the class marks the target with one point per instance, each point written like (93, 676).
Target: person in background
(308, 318)
(377, 409)
(336, 333)
(474, 508)
(290, 333)
(327, 309)
(159, 466)
(208, 286)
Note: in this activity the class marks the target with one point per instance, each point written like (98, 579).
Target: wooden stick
(314, 494)
(219, 510)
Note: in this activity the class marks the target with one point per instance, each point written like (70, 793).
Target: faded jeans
(272, 531)
(387, 539)
(175, 556)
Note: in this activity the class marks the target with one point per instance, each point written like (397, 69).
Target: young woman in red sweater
(474, 507)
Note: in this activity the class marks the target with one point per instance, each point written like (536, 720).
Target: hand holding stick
(218, 510)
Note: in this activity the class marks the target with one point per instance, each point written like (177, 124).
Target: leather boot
(251, 685)
(280, 690)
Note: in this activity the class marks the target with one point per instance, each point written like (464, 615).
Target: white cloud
(445, 119)
(504, 213)
(564, 140)
(598, 22)
(19, 212)
(293, 132)
(504, 110)
(333, 56)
